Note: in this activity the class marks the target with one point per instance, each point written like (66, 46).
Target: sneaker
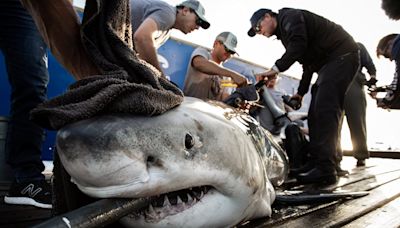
(35, 193)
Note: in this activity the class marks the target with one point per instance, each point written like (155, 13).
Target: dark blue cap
(255, 18)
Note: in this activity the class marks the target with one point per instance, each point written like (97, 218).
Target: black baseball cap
(255, 18)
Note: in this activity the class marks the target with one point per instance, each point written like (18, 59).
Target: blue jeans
(26, 61)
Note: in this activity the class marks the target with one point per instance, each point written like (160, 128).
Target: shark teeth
(172, 203)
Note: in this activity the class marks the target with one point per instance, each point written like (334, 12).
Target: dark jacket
(311, 40)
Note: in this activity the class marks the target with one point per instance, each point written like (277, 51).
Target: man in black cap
(325, 48)
(152, 21)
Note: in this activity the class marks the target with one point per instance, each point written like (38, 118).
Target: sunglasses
(198, 21)
(226, 49)
(257, 29)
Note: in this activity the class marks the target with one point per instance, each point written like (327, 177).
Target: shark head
(203, 164)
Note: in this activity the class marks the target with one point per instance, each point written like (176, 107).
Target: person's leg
(324, 116)
(26, 62)
(339, 151)
(295, 146)
(355, 109)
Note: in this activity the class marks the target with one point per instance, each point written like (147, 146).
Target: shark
(202, 164)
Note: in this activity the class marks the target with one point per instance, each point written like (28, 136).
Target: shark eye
(189, 141)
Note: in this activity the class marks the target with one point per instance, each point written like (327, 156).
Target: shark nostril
(150, 159)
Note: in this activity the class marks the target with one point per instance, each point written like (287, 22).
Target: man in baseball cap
(256, 19)
(152, 21)
(199, 10)
(325, 48)
(206, 77)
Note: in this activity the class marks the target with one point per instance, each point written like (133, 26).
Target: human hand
(240, 81)
(266, 74)
(371, 82)
(305, 130)
(380, 102)
(372, 94)
(295, 101)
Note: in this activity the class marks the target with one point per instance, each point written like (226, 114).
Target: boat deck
(380, 208)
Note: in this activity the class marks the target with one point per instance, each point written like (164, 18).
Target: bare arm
(58, 23)
(144, 42)
(208, 67)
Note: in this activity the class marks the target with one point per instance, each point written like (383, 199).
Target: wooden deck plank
(374, 176)
(387, 216)
(338, 215)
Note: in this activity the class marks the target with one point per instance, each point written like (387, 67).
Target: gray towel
(126, 85)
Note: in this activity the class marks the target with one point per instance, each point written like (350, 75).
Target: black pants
(326, 108)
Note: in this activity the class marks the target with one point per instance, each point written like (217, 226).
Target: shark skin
(204, 164)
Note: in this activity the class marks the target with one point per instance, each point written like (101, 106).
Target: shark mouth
(172, 203)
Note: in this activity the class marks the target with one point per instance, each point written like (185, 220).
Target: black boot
(303, 169)
(341, 172)
(360, 162)
(317, 176)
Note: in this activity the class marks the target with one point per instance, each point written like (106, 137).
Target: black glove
(371, 82)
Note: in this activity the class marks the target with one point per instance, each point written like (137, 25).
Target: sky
(363, 19)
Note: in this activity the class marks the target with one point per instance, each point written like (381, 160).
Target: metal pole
(97, 214)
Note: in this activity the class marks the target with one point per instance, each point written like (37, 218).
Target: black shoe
(360, 162)
(303, 169)
(341, 172)
(317, 176)
(35, 193)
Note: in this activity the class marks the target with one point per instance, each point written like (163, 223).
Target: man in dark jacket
(325, 48)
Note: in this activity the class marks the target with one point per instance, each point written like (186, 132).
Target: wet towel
(126, 85)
